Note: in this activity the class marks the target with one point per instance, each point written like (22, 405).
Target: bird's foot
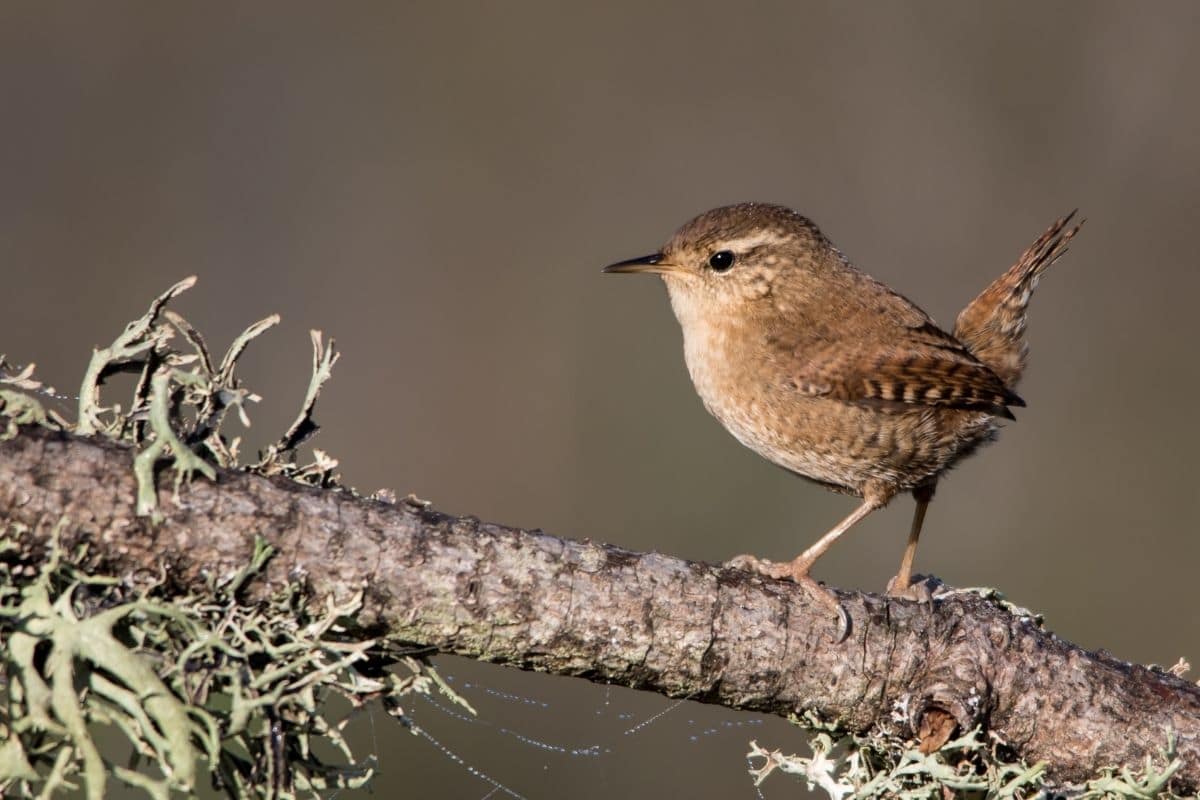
(797, 571)
(920, 588)
(779, 570)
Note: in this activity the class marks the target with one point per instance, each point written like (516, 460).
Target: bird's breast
(741, 386)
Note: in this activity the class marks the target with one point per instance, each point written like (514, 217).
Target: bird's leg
(798, 568)
(898, 586)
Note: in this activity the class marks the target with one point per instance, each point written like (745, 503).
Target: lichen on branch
(193, 681)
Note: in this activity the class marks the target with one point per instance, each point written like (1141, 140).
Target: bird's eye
(721, 260)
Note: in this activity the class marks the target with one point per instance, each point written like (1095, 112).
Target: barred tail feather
(992, 326)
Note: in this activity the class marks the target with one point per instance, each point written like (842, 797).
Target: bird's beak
(651, 263)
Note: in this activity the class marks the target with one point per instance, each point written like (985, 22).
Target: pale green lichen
(194, 683)
(18, 404)
(279, 458)
(184, 461)
(186, 681)
(883, 765)
(180, 400)
(134, 350)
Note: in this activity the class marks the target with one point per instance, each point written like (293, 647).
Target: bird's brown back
(842, 335)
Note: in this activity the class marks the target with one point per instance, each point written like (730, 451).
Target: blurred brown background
(437, 186)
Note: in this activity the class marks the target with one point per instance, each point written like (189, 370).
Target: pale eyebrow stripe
(751, 242)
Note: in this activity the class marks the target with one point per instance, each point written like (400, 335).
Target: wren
(829, 373)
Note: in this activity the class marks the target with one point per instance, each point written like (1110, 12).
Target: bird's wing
(922, 366)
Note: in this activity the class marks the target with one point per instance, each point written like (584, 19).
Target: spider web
(539, 736)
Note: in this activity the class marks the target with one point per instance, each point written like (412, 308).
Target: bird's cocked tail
(992, 326)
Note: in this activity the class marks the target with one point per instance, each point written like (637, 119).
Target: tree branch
(646, 621)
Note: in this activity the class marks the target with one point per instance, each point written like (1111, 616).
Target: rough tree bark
(647, 621)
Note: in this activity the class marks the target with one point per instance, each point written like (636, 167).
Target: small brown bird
(828, 373)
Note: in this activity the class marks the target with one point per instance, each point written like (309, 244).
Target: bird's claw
(921, 589)
(797, 572)
(779, 570)
(826, 597)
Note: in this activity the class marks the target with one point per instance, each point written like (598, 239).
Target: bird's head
(729, 260)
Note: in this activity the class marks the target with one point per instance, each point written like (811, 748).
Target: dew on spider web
(655, 717)
(575, 739)
(470, 769)
(586, 750)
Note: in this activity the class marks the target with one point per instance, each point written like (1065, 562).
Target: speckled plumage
(827, 372)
